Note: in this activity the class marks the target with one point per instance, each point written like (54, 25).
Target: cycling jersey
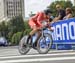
(37, 19)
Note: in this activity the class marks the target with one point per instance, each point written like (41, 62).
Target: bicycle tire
(50, 44)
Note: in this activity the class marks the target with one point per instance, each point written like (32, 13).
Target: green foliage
(14, 29)
(3, 29)
(64, 5)
(16, 38)
(26, 32)
(16, 24)
(10, 34)
(26, 25)
(73, 9)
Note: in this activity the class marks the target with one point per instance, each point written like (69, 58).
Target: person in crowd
(68, 13)
(60, 13)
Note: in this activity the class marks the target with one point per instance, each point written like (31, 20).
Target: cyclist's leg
(39, 34)
(31, 34)
(34, 27)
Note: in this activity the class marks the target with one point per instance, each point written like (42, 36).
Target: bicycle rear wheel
(23, 48)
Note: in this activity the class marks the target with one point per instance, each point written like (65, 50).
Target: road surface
(11, 55)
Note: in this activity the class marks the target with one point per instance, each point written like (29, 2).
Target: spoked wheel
(44, 43)
(23, 48)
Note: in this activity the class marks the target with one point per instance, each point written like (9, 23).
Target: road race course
(11, 55)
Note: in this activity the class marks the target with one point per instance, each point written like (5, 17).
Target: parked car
(3, 41)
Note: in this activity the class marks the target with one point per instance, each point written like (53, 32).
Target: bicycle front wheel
(44, 43)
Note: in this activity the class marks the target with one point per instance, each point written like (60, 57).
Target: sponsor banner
(64, 31)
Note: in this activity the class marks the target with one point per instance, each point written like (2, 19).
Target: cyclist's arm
(39, 19)
(49, 26)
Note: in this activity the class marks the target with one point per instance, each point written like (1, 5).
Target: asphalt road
(11, 55)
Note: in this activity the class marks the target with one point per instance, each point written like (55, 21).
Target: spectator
(68, 13)
(60, 13)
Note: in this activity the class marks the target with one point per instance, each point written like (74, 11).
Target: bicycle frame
(34, 37)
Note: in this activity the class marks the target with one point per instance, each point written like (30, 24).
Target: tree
(26, 25)
(3, 29)
(16, 24)
(16, 38)
(73, 9)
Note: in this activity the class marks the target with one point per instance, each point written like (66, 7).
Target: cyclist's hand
(44, 26)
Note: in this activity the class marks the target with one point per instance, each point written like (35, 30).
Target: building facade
(1, 9)
(11, 8)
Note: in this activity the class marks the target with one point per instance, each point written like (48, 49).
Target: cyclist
(35, 22)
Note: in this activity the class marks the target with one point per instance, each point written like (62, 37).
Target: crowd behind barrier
(64, 34)
(64, 30)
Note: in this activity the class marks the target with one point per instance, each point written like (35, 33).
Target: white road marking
(39, 59)
(53, 54)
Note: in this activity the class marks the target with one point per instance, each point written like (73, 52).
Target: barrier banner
(64, 31)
